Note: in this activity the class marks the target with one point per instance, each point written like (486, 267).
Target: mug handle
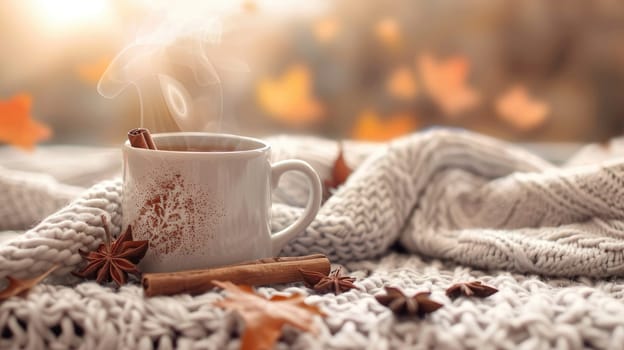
(279, 239)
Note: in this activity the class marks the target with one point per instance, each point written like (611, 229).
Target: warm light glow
(69, 13)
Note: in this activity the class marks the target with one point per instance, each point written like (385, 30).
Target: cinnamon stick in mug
(259, 272)
(141, 138)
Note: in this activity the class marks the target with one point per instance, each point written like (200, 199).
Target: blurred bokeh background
(372, 70)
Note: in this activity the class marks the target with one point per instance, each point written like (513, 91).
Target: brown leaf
(339, 175)
(341, 170)
(324, 284)
(113, 261)
(418, 304)
(19, 287)
(474, 288)
(264, 318)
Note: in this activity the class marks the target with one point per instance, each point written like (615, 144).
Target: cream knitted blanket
(471, 201)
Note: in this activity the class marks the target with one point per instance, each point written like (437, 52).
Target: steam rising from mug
(175, 71)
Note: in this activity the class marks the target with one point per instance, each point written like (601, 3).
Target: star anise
(474, 288)
(321, 283)
(113, 260)
(418, 304)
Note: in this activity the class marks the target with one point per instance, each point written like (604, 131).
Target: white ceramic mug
(203, 209)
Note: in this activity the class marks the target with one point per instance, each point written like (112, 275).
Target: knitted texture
(29, 197)
(477, 201)
(527, 313)
(452, 195)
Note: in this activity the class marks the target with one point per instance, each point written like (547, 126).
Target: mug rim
(263, 148)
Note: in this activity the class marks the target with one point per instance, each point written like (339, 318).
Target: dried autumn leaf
(289, 99)
(446, 82)
(401, 84)
(264, 318)
(370, 127)
(20, 287)
(403, 305)
(114, 260)
(340, 173)
(474, 288)
(326, 29)
(388, 32)
(334, 282)
(91, 72)
(520, 110)
(16, 125)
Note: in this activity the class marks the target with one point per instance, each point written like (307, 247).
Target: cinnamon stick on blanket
(141, 138)
(258, 272)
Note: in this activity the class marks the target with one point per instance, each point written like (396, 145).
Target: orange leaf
(289, 99)
(264, 318)
(388, 32)
(520, 110)
(371, 127)
(401, 84)
(93, 71)
(18, 287)
(446, 83)
(326, 29)
(16, 126)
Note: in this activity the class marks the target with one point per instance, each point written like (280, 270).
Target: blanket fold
(445, 194)
(472, 201)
